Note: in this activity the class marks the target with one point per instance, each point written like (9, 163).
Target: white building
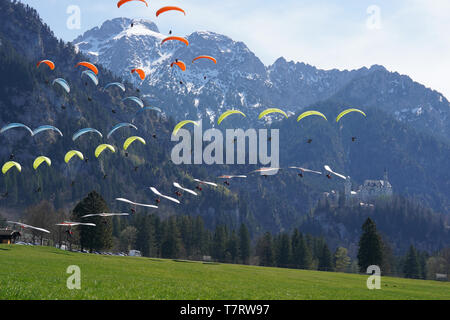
(369, 191)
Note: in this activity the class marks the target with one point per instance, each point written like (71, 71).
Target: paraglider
(311, 113)
(46, 128)
(136, 100)
(130, 140)
(26, 226)
(120, 125)
(159, 194)
(272, 110)
(205, 57)
(169, 8)
(105, 215)
(265, 171)
(63, 83)
(88, 65)
(180, 65)
(103, 147)
(343, 113)
(136, 203)
(115, 84)
(121, 2)
(206, 182)
(227, 177)
(173, 38)
(49, 63)
(140, 72)
(177, 185)
(303, 170)
(11, 164)
(91, 76)
(81, 132)
(181, 124)
(39, 160)
(69, 155)
(74, 224)
(16, 125)
(309, 141)
(226, 114)
(328, 169)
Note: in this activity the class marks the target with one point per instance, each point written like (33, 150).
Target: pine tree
(370, 247)
(341, 259)
(265, 250)
(244, 244)
(284, 251)
(98, 237)
(325, 259)
(219, 243)
(411, 267)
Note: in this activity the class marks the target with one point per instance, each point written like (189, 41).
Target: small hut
(8, 236)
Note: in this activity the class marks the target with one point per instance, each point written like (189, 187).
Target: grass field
(32, 272)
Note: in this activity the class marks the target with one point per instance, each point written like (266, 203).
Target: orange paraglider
(121, 2)
(47, 62)
(88, 65)
(180, 64)
(205, 57)
(140, 72)
(176, 38)
(165, 9)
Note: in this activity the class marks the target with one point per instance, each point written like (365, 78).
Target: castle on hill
(364, 194)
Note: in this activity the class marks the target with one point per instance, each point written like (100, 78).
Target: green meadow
(33, 272)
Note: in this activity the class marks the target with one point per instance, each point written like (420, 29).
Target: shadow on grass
(213, 263)
(3, 249)
(156, 260)
(185, 261)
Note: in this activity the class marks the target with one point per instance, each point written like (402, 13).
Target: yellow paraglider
(343, 113)
(311, 113)
(8, 165)
(130, 140)
(181, 124)
(228, 113)
(39, 160)
(102, 147)
(272, 110)
(69, 155)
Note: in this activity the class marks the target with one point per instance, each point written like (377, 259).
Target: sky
(405, 36)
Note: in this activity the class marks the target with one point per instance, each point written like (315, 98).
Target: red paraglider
(176, 38)
(121, 2)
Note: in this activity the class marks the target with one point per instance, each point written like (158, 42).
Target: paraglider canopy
(46, 128)
(205, 57)
(39, 160)
(130, 140)
(69, 155)
(121, 2)
(181, 124)
(177, 39)
(169, 8)
(16, 125)
(226, 114)
(140, 72)
(180, 65)
(10, 164)
(102, 147)
(89, 65)
(272, 110)
(80, 132)
(343, 113)
(63, 83)
(117, 84)
(311, 113)
(47, 62)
